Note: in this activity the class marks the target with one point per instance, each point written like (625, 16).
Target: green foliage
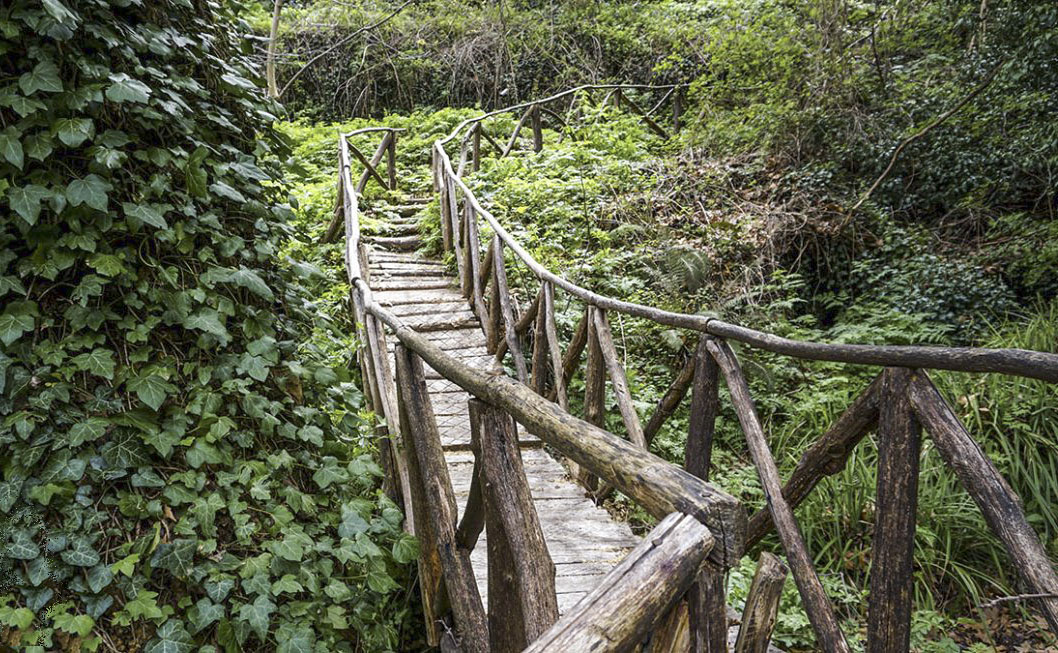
(182, 464)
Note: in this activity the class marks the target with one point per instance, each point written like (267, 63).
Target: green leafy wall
(181, 459)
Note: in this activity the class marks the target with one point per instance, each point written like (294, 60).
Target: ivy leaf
(224, 190)
(151, 389)
(127, 89)
(207, 320)
(257, 615)
(329, 474)
(176, 557)
(289, 548)
(25, 201)
(249, 280)
(92, 190)
(296, 640)
(126, 565)
(11, 146)
(287, 584)
(352, 522)
(39, 146)
(73, 131)
(99, 362)
(99, 577)
(16, 319)
(405, 549)
(59, 11)
(81, 553)
(43, 77)
(87, 431)
(218, 590)
(22, 546)
(9, 494)
(203, 614)
(146, 214)
(171, 637)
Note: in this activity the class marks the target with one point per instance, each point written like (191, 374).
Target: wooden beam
(826, 457)
(551, 333)
(541, 355)
(618, 379)
(499, 277)
(636, 595)
(899, 447)
(538, 132)
(998, 502)
(762, 605)
(706, 600)
(522, 603)
(670, 401)
(820, 611)
(420, 434)
(391, 160)
(473, 520)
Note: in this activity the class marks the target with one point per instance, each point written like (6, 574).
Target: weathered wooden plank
(998, 502)
(636, 594)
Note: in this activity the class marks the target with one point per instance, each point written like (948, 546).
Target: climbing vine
(182, 466)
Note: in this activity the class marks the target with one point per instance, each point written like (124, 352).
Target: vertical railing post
(522, 602)
(476, 143)
(391, 160)
(706, 600)
(899, 444)
(538, 131)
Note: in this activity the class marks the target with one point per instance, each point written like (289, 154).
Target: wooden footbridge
(494, 472)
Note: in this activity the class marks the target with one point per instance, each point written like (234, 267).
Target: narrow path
(584, 541)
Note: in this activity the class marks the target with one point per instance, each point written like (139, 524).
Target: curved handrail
(1019, 362)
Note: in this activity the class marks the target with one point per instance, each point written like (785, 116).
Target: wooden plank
(998, 502)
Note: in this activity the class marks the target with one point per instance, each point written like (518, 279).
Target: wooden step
(397, 243)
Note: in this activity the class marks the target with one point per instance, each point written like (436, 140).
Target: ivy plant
(181, 467)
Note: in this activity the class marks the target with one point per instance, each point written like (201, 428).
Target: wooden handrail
(1019, 362)
(636, 595)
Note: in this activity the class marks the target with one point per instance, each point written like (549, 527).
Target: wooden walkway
(585, 543)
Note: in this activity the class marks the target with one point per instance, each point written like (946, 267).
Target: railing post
(706, 600)
(899, 444)
(762, 605)
(538, 132)
(433, 492)
(522, 602)
(391, 160)
(476, 141)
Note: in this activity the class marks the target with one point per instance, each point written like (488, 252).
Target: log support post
(522, 603)
(391, 160)
(538, 131)
(998, 502)
(436, 505)
(762, 605)
(706, 602)
(899, 446)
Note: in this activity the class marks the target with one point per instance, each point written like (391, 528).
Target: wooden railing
(675, 578)
(387, 148)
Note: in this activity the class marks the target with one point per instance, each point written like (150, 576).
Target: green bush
(183, 466)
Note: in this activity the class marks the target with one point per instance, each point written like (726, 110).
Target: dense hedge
(180, 464)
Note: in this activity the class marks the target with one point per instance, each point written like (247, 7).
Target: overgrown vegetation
(183, 466)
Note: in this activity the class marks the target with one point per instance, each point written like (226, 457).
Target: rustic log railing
(387, 148)
(674, 580)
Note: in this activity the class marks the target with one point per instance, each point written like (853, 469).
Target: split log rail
(673, 582)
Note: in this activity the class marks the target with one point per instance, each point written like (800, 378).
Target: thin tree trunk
(270, 63)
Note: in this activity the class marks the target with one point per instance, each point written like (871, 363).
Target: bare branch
(342, 42)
